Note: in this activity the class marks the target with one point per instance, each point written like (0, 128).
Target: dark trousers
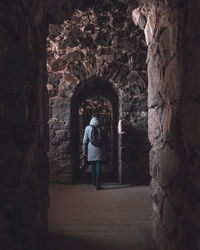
(96, 168)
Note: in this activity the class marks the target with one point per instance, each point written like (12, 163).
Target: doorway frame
(89, 89)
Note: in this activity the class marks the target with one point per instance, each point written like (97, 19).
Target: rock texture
(172, 34)
(24, 126)
(173, 91)
(106, 45)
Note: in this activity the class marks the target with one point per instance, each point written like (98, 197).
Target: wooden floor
(117, 217)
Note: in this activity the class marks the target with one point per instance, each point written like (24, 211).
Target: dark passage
(141, 55)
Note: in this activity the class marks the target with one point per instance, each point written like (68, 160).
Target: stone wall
(24, 126)
(104, 43)
(172, 34)
(24, 120)
(173, 102)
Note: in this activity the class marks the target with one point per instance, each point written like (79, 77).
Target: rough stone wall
(100, 42)
(173, 105)
(24, 129)
(172, 35)
(24, 119)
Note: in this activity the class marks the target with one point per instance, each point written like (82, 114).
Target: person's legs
(98, 173)
(98, 168)
(93, 172)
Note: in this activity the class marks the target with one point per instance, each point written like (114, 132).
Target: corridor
(115, 218)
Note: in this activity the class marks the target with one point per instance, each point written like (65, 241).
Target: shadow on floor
(57, 241)
(106, 186)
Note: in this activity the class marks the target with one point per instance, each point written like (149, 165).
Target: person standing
(94, 148)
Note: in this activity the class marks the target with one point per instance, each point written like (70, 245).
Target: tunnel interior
(165, 47)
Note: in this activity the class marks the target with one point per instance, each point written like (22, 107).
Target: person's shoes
(98, 185)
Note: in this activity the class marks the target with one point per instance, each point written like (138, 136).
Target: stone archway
(106, 45)
(88, 89)
(104, 107)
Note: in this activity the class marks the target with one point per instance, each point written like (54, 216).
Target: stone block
(119, 21)
(155, 127)
(140, 61)
(169, 218)
(79, 71)
(64, 148)
(60, 137)
(75, 56)
(120, 75)
(164, 165)
(51, 133)
(166, 43)
(61, 109)
(69, 79)
(50, 89)
(154, 159)
(103, 38)
(167, 119)
(169, 166)
(58, 64)
(154, 84)
(127, 45)
(54, 78)
(157, 196)
(65, 90)
(52, 124)
(136, 79)
(58, 165)
(73, 38)
(158, 234)
(52, 152)
(88, 42)
(90, 27)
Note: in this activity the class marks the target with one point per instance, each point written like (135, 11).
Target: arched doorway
(94, 90)
(87, 108)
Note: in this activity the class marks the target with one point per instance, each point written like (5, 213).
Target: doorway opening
(94, 94)
(104, 108)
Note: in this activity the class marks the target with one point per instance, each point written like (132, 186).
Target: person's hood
(94, 122)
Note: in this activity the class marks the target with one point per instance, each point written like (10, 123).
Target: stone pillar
(173, 94)
(60, 141)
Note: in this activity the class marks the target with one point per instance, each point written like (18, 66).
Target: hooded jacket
(93, 153)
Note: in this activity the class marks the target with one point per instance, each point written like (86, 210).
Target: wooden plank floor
(117, 217)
